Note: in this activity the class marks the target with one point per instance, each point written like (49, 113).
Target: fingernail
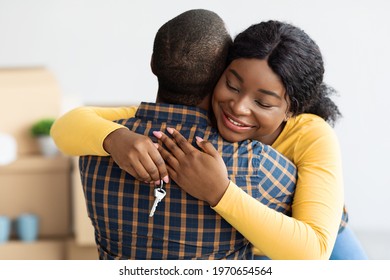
(166, 179)
(170, 130)
(198, 139)
(156, 145)
(157, 183)
(158, 134)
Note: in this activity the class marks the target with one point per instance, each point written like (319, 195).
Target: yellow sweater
(307, 140)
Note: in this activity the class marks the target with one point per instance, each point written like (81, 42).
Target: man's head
(189, 56)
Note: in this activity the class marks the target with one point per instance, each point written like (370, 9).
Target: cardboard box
(39, 185)
(39, 250)
(27, 95)
(76, 252)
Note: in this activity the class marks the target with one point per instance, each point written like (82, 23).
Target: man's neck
(204, 104)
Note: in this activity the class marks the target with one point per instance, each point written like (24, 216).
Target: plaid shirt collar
(162, 112)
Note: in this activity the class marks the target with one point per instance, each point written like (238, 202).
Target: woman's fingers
(142, 169)
(207, 147)
(136, 154)
(203, 175)
(170, 159)
(156, 167)
(170, 144)
(182, 142)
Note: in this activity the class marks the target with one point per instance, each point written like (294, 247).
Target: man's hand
(201, 174)
(136, 154)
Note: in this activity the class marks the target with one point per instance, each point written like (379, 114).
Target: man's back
(182, 227)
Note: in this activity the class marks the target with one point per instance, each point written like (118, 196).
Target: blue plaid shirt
(182, 227)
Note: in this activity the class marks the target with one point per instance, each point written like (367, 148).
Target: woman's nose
(240, 106)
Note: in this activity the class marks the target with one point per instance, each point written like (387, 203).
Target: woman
(273, 91)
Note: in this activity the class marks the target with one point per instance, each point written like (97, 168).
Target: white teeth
(234, 122)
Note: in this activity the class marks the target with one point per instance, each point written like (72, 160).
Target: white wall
(100, 50)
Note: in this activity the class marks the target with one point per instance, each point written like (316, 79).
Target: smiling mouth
(234, 123)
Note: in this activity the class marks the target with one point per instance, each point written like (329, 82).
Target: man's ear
(152, 65)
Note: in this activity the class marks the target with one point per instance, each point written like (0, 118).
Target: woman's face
(249, 102)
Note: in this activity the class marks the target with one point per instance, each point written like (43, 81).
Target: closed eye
(263, 105)
(232, 88)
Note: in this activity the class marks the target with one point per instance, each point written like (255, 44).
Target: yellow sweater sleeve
(82, 131)
(318, 201)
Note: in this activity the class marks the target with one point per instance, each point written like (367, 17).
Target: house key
(159, 194)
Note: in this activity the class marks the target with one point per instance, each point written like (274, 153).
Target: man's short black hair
(189, 56)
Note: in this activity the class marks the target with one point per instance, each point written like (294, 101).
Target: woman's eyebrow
(237, 75)
(268, 92)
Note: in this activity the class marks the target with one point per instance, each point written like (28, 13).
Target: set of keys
(159, 194)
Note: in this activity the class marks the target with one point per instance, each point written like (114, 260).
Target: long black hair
(296, 59)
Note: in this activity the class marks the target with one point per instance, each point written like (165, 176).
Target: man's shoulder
(158, 113)
(245, 145)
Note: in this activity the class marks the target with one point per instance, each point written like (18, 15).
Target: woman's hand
(201, 174)
(137, 155)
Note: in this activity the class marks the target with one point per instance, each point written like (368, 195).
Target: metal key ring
(161, 184)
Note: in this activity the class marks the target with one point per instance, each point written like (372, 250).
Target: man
(188, 58)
